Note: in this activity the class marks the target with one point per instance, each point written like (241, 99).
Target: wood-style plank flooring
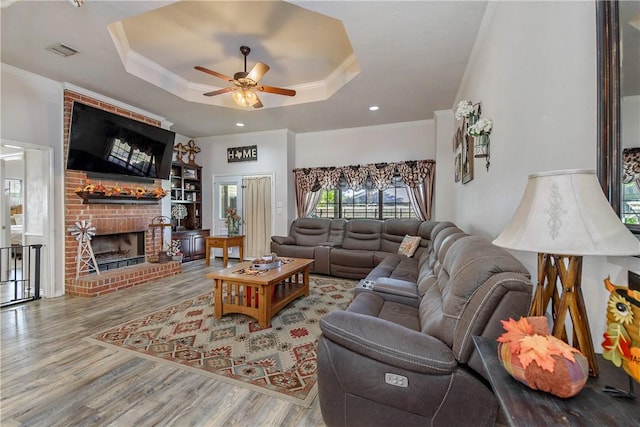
(50, 376)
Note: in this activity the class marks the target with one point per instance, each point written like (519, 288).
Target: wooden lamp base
(567, 270)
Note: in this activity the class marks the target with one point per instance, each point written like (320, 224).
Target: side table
(523, 406)
(224, 242)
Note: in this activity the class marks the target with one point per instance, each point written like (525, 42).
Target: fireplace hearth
(118, 250)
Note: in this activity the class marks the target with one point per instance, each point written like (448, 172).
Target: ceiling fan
(245, 84)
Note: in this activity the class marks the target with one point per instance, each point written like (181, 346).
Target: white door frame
(215, 178)
(49, 274)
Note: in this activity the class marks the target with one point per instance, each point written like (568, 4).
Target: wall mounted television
(108, 145)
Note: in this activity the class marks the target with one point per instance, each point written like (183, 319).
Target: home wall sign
(242, 154)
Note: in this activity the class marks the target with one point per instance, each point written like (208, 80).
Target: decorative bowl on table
(266, 262)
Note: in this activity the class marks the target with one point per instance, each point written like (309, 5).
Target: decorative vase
(481, 145)
(234, 228)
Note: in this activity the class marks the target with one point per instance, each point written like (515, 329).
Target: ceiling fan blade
(258, 71)
(219, 91)
(277, 90)
(213, 73)
(258, 103)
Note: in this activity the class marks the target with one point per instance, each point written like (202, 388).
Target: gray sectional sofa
(350, 249)
(386, 360)
(402, 353)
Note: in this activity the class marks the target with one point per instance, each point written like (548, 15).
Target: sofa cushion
(394, 230)
(363, 234)
(295, 251)
(310, 231)
(409, 245)
(470, 262)
(352, 258)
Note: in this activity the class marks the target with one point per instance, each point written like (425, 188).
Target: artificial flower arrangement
(174, 248)
(231, 218)
(539, 360)
(117, 190)
(481, 127)
(465, 109)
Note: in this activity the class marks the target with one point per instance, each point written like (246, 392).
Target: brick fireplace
(109, 219)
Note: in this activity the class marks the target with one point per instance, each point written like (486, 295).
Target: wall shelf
(122, 199)
(186, 190)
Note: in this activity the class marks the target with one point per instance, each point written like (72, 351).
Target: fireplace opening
(118, 250)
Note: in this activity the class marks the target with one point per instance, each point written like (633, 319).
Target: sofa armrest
(284, 240)
(328, 244)
(396, 287)
(388, 342)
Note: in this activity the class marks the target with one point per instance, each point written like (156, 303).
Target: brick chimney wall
(106, 218)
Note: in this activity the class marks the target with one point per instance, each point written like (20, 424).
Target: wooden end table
(525, 407)
(261, 295)
(224, 242)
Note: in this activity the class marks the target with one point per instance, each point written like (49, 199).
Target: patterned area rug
(279, 361)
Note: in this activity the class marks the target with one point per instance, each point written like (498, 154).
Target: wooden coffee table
(262, 295)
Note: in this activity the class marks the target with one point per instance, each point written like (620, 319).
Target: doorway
(26, 220)
(252, 198)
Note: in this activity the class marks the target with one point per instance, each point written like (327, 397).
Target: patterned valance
(374, 175)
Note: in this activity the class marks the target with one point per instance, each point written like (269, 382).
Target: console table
(523, 406)
(224, 242)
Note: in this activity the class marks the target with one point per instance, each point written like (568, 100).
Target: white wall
(630, 112)
(442, 201)
(31, 116)
(534, 71)
(373, 144)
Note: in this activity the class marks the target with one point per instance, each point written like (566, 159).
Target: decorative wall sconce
(480, 130)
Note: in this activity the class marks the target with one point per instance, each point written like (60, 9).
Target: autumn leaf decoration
(533, 347)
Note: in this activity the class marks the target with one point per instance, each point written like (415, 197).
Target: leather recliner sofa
(388, 361)
(350, 248)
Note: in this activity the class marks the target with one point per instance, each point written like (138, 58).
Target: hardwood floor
(51, 376)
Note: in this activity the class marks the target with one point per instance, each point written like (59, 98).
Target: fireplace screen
(118, 250)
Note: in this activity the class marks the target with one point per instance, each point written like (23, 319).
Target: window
(366, 203)
(630, 203)
(131, 158)
(13, 191)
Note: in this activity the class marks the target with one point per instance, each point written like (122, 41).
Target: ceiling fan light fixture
(245, 97)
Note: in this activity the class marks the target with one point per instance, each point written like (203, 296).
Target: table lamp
(564, 215)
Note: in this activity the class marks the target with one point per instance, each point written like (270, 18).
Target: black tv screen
(106, 143)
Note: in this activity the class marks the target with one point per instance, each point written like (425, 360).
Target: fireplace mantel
(102, 198)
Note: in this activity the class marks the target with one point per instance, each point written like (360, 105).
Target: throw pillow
(409, 245)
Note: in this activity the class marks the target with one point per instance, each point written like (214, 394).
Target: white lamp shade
(566, 213)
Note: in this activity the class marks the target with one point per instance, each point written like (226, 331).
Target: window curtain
(307, 192)
(257, 210)
(418, 175)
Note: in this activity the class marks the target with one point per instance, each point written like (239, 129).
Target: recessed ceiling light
(374, 108)
(240, 124)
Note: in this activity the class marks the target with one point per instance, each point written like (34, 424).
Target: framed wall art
(467, 145)
(458, 167)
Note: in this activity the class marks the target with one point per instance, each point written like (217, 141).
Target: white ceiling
(411, 56)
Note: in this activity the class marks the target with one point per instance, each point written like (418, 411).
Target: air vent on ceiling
(62, 50)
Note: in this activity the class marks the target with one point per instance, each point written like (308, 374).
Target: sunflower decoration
(621, 345)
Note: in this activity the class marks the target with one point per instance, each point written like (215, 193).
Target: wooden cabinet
(186, 196)
(192, 243)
